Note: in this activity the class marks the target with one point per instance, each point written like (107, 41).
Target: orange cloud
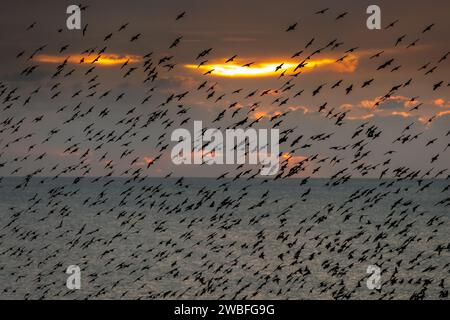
(303, 108)
(424, 114)
(270, 112)
(362, 117)
(143, 162)
(370, 104)
(102, 60)
(292, 158)
(261, 113)
(346, 106)
(148, 160)
(401, 113)
(443, 113)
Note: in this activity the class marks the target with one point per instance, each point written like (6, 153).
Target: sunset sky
(254, 31)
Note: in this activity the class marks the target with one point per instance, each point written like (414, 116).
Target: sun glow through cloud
(103, 60)
(266, 69)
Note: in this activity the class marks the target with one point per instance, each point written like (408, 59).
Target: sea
(203, 238)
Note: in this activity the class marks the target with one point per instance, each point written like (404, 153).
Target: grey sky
(255, 32)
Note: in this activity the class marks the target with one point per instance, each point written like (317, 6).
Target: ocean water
(204, 238)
